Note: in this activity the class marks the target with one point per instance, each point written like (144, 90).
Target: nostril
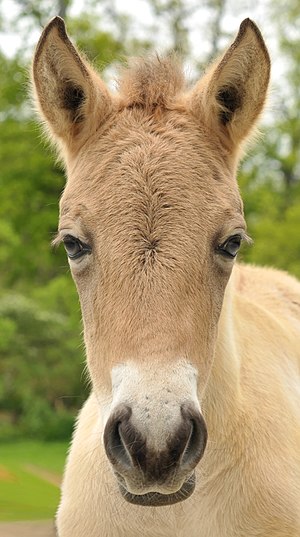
(197, 439)
(114, 443)
(119, 447)
(188, 450)
(124, 444)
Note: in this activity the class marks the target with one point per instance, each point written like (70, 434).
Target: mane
(151, 82)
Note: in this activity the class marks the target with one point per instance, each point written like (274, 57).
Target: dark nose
(127, 448)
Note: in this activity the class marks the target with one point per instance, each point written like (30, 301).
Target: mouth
(156, 499)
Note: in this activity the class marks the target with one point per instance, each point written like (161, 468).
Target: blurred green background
(42, 378)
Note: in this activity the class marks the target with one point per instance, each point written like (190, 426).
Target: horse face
(151, 277)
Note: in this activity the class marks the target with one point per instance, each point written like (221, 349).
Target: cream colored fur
(151, 188)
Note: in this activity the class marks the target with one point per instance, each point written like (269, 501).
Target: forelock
(151, 82)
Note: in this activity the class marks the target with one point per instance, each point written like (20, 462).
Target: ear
(231, 95)
(71, 97)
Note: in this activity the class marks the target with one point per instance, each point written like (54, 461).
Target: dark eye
(75, 248)
(231, 246)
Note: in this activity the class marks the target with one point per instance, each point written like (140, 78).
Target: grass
(23, 494)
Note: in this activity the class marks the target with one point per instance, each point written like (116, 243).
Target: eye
(75, 248)
(230, 247)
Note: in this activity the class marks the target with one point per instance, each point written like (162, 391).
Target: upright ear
(71, 97)
(231, 95)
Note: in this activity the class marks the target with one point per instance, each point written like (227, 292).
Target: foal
(192, 426)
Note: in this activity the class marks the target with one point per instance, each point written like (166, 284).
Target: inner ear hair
(70, 96)
(72, 99)
(230, 96)
(230, 100)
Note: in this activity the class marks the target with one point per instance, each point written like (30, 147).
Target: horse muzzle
(148, 475)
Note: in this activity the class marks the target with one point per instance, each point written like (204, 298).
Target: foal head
(151, 220)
